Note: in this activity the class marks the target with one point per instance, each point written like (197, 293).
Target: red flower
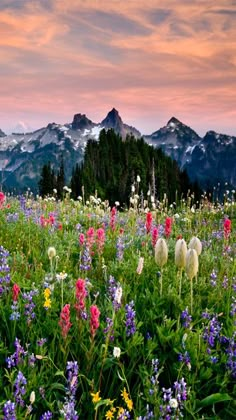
(168, 226)
(64, 322)
(94, 320)
(113, 218)
(148, 221)
(59, 227)
(15, 292)
(100, 240)
(2, 198)
(154, 236)
(227, 228)
(80, 294)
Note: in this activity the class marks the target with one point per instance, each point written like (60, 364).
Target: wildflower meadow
(111, 313)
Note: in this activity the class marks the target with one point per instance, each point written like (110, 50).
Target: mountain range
(209, 160)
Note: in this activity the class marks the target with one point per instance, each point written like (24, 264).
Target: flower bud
(180, 253)
(51, 252)
(196, 244)
(191, 263)
(161, 252)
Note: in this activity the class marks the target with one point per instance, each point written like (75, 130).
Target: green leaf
(213, 399)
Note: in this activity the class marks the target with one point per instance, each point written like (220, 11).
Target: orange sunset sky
(150, 59)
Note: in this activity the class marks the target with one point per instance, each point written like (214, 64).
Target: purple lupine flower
(17, 357)
(149, 414)
(9, 411)
(184, 357)
(186, 318)
(120, 247)
(233, 306)
(213, 277)
(212, 332)
(31, 360)
(154, 377)
(231, 356)
(12, 217)
(114, 293)
(68, 411)
(124, 415)
(46, 416)
(85, 260)
(109, 329)
(130, 319)
(72, 377)
(4, 271)
(225, 282)
(181, 390)
(29, 304)
(41, 342)
(15, 315)
(19, 388)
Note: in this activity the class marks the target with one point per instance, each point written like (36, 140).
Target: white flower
(138, 179)
(196, 244)
(117, 203)
(51, 252)
(54, 190)
(180, 253)
(116, 352)
(132, 188)
(140, 265)
(173, 403)
(118, 295)
(161, 252)
(32, 397)
(191, 263)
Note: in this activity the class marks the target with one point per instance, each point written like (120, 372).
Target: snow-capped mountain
(209, 160)
(23, 155)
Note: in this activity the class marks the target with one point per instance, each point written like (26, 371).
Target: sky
(151, 60)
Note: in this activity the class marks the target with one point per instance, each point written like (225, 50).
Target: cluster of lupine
(5, 277)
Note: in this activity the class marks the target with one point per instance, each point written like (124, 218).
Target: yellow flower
(110, 414)
(129, 403)
(47, 293)
(47, 303)
(124, 394)
(96, 397)
(121, 410)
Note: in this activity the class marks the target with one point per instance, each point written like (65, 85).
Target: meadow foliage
(110, 314)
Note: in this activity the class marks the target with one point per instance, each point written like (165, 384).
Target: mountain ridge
(207, 159)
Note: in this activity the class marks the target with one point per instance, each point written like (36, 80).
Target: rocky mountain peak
(2, 134)
(81, 122)
(113, 120)
(173, 120)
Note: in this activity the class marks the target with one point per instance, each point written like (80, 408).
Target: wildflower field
(110, 314)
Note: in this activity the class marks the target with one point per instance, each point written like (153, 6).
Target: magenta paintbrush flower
(64, 322)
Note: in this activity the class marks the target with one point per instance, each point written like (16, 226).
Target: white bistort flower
(116, 352)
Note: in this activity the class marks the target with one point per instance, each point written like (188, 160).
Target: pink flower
(100, 240)
(148, 221)
(113, 218)
(81, 239)
(90, 238)
(154, 236)
(64, 322)
(15, 292)
(168, 226)
(2, 198)
(94, 319)
(227, 228)
(80, 295)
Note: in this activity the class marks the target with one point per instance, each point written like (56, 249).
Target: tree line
(111, 166)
